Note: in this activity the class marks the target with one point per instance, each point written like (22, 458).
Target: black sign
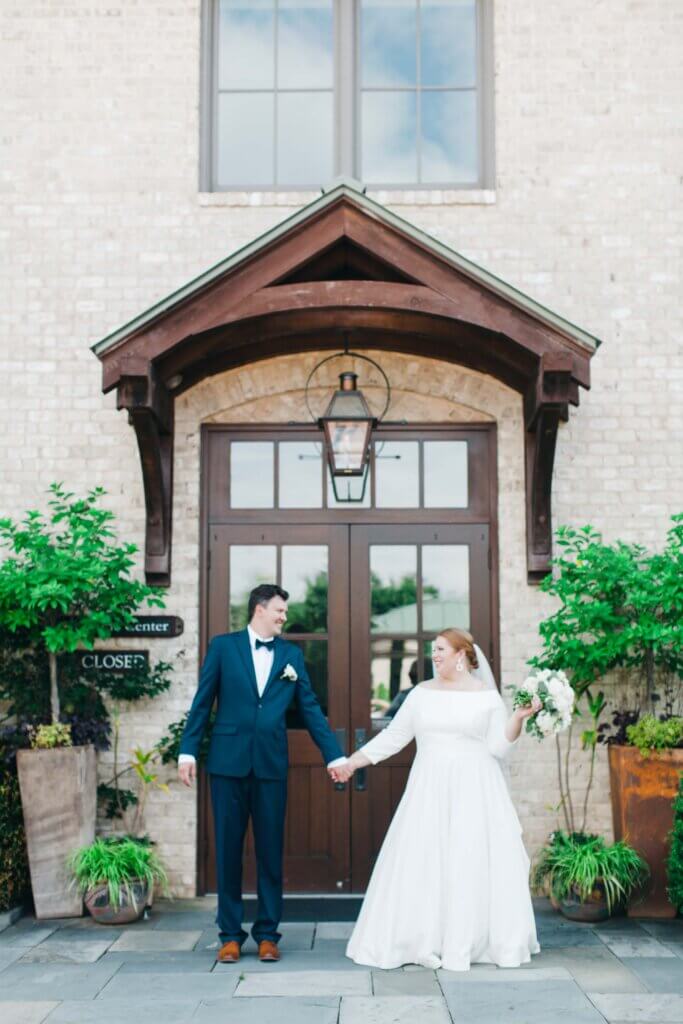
(112, 661)
(153, 627)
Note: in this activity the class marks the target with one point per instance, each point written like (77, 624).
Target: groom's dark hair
(264, 593)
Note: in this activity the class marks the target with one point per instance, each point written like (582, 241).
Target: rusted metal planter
(643, 791)
(58, 798)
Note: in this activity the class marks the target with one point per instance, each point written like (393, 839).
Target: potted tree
(620, 621)
(64, 585)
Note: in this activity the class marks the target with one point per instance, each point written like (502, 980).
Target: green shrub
(47, 737)
(650, 734)
(117, 862)
(674, 864)
(578, 862)
(14, 875)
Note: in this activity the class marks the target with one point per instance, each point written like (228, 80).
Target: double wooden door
(366, 601)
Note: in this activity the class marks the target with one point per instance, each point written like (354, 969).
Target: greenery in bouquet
(554, 693)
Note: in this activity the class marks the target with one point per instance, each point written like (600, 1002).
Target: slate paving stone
(567, 937)
(124, 1011)
(65, 952)
(336, 930)
(150, 986)
(25, 937)
(394, 1010)
(624, 945)
(659, 974)
(304, 983)
(55, 981)
(25, 1013)
(398, 983)
(656, 1008)
(93, 933)
(297, 936)
(264, 1010)
(160, 963)
(173, 941)
(296, 961)
(563, 1002)
(507, 976)
(592, 968)
(10, 954)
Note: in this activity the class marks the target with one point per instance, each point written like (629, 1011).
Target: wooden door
(408, 583)
(311, 563)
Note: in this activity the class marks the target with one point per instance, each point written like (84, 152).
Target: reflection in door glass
(315, 659)
(251, 474)
(393, 588)
(394, 670)
(445, 471)
(446, 586)
(397, 474)
(250, 564)
(300, 474)
(305, 577)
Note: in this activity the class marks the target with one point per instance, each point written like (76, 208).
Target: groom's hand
(341, 773)
(187, 772)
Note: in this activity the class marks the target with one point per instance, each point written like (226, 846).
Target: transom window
(393, 92)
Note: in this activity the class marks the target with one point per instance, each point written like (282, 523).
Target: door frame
(214, 473)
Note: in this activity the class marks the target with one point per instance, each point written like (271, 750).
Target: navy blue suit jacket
(250, 732)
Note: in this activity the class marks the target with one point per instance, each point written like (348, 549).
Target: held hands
(341, 772)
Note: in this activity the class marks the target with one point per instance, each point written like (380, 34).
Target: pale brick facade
(101, 216)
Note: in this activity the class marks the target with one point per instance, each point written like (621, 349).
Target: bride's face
(445, 658)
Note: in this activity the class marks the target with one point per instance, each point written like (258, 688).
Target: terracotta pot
(593, 909)
(58, 797)
(643, 791)
(98, 903)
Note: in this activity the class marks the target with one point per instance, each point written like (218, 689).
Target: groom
(253, 674)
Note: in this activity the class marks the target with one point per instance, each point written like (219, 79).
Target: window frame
(346, 103)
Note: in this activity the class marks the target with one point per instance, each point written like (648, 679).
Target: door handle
(360, 777)
(341, 740)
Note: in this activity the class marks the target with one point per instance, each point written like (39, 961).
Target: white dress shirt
(263, 663)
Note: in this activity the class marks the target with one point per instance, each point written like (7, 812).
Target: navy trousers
(234, 801)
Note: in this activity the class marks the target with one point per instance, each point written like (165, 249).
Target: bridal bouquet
(556, 696)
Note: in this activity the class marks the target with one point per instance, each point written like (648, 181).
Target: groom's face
(269, 619)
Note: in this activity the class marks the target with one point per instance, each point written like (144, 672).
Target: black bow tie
(268, 644)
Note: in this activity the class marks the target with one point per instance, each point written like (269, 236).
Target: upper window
(393, 92)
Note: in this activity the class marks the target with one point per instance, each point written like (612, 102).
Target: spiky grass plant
(117, 863)
(579, 863)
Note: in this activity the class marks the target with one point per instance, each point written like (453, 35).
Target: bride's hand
(527, 710)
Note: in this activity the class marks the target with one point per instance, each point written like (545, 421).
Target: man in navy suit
(253, 674)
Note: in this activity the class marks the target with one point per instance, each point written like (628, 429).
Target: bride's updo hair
(461, 640)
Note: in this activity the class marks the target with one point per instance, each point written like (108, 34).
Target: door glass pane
(397, 469)
(393, 593)
(394, 670)
(448, 47)
(352, 485)
(246, 46)
(315, 658)
(387, 46)
(305, 138)
(251, 474)
(445, 470)
(305, 577)
(448, 144)
(249, 566)
(300, 474)
(245, 139)
(445, 586)
(389, 137)
(304, 44)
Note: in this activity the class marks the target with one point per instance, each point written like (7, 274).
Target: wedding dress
(450, 886)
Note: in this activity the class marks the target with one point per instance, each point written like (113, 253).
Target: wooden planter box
(58, 798)
(643, 790)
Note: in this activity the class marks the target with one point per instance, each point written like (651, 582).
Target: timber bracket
(150, 413)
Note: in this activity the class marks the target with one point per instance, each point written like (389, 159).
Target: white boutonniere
(289, 672)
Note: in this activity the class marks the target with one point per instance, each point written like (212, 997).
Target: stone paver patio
(163, 971)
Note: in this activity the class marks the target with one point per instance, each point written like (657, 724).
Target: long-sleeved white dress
(450, 886)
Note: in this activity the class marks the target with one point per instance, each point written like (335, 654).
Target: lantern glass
(347, 445)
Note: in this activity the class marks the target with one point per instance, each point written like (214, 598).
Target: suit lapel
(278, 661)
(244, 647)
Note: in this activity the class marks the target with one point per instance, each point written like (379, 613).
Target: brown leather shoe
(268, 950)
(229, 953)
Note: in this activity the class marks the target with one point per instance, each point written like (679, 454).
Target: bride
(450, 885)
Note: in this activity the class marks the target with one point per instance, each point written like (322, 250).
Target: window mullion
(345, 85)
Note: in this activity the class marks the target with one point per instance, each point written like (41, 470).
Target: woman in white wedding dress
(450, 886)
